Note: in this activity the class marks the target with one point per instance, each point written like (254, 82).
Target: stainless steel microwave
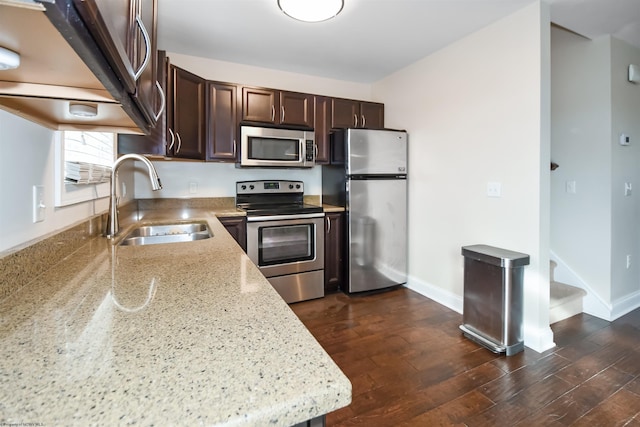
(272, 147)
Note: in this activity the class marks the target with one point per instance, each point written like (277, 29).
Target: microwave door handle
(303, 152)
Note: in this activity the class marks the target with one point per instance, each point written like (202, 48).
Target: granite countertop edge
(196, 335)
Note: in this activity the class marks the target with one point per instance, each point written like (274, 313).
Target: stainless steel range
(285, 237)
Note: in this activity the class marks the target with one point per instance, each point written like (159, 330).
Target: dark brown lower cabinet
(334, 250)
(237, 227)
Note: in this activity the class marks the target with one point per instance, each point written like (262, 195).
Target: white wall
(256, 76)
(595, 229)
(625, 289)
(581, 123)
(478, 112)
(216, 179)
(27, 160)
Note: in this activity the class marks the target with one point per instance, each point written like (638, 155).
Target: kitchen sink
(167, 233)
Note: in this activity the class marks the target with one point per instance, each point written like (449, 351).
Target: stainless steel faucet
(112, 222)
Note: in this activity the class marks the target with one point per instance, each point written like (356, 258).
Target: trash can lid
(495, 256)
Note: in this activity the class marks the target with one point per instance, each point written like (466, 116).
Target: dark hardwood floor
(410, 366)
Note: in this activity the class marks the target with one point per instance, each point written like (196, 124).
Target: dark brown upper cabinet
(322, 128)
(143, 48)
(156, 142)
(349, 113)
(222, 121)
(277, 107)
(186, 116)
(125, 31)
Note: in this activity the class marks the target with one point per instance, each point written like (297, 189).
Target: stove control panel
(269, 187)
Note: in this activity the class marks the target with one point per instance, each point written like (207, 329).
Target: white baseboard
(625, 305)
(536, 339)
(446, 298)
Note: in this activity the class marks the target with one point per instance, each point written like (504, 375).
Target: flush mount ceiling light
(311, 10)
(8, 59)
(83, 110)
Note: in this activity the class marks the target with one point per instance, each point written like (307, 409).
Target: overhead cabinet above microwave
(100, 53)
(283, 108)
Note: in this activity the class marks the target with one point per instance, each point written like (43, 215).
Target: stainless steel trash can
(493, 293)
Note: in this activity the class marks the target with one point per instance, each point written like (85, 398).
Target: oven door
(287, 244)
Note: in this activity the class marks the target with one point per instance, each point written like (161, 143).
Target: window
(83, 165)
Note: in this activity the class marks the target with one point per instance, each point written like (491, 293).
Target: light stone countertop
(172, 334)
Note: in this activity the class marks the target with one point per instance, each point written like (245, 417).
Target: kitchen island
(171, 334)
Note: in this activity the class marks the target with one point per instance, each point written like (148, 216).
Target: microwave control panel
(310, 151)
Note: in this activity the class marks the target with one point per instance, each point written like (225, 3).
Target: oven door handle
(285, 217)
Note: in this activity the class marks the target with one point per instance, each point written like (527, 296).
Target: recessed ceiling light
(311, 10)
(83, 110)
(8, 59)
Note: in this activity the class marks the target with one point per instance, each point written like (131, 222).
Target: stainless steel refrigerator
(368, 176)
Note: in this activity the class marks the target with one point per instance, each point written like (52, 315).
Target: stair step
(565, 301)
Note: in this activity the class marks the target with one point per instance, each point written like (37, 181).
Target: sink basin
(167, 233)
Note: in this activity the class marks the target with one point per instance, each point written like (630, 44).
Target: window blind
(88, 157)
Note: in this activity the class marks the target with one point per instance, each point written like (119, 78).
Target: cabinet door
(188, 113)
(344, 113)
(259, 105)
(371, 115)
(155, 142)
(322, 128)
(110, 22)
(334, 252)
(142, 52)
(296, 109)
(115, 27)
(221, 121)
(237, 227)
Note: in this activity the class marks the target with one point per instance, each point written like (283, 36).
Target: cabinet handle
(328, 225)
(273, 113)
(147, 48)
(234, 148)
(163, 98)
(364, 121)
(173, 140)
(282, 114)
(355, 120)
(179, 143)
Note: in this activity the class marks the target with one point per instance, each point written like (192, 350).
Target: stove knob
(298, 186)
(251, 187)
(244, 187)
(290, 186)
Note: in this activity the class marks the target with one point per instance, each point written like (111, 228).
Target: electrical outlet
(193, 187)
(571, 187)
(628, 261)
(39, 208)
(627, 188)
(494, 189)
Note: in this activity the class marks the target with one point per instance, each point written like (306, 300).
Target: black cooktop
(278, 197)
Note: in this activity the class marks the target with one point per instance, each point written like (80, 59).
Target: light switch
(571, 187)
(627, 188)
(494, 189)
(39, 208)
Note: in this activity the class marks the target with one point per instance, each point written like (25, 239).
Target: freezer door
(376, 152)
(377, 228)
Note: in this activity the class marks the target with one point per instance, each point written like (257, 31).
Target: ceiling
(369, 39)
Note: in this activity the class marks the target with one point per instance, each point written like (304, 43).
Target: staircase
(565, 301)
